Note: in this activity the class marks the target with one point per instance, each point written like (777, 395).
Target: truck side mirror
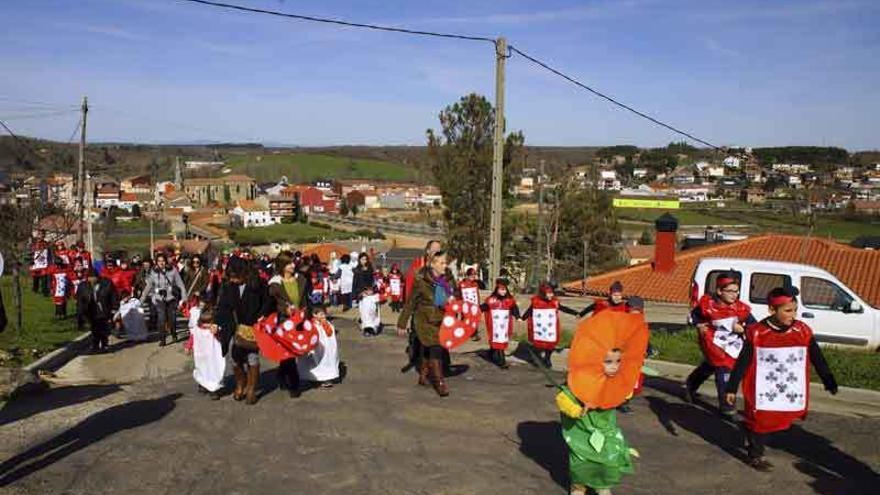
(854, 307)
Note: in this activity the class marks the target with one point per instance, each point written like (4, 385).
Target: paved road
(379, 433)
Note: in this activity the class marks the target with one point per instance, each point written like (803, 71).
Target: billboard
(663, 204)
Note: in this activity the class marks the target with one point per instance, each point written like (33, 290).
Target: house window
(712, 278)
(818, 293)
(763, 283)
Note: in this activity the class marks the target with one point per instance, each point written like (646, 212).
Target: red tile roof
(857, 268)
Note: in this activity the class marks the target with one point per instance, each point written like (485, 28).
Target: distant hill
(304, 167)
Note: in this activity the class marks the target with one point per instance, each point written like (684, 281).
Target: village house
(226, 190)
(393, 201)
(311, 199)
(640, 173)
(753, 196)
(866, 207)
(139, 184)
(107, 196)
(250, 213)
(282, 207)
(608, 180)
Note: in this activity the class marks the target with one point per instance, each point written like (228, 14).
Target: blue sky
(738, 73)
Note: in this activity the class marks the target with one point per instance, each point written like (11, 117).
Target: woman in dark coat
(243, 299)
(432, 286)
(363, 276)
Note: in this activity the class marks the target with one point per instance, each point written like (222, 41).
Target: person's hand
(401, 332)
(737, 328)
(730, 399)
(213, 328)
(702, 327)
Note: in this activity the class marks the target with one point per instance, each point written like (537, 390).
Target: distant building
(608, 180)
(249, 213)
(640, 173)
(731, 162)
(311, 199)
(393, 201)
(139, 184)
(107, 196)
(196, 164)
(753, 196)
(226, 190)
(282, 207)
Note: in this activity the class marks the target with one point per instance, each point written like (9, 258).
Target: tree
(460, 159)
(343, 208)
(354, 210)
(136, 210)
(647, 238)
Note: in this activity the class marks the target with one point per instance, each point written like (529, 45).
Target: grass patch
(130, 243)
(291, 233)
(303, 167)
(41, 332)
(851, 367)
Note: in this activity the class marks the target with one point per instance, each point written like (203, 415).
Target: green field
(295, 233)
(301, 167)
(41, 333)
(760, 221)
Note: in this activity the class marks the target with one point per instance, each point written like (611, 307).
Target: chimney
(664, 245)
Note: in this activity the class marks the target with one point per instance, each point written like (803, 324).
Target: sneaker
(760, 464)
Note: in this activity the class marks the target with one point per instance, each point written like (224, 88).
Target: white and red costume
(544, 325)
(381, 285)
(40, 259)
(500, 314)
(720, 345)
(60, 284)
(395, 286)
(776, 383)
(470, 291)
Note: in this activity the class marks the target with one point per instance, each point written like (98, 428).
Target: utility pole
(80, 187)
(539, 254)
(586, 261)
(91, 243)
(497, 162)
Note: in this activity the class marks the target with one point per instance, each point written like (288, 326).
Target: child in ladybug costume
(774, 367)
(544, 324)
(59, 274)
(501, 311)
(721, 319)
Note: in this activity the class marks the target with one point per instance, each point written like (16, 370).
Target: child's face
(729, 294)
(617, 297)
(611, 363)
(548, 294)
(319, 315)
(785, 314)
(502, 290)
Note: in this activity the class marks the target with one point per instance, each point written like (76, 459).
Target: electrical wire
(612, 100)
(75, 130)
(39, 115)
(341, 23)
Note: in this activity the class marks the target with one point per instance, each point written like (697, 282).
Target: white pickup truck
(834, 311)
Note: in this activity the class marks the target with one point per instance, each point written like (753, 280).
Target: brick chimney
(664, 245)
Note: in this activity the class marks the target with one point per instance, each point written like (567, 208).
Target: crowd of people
(246, 306)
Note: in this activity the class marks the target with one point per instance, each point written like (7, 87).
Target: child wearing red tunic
(721, 319)
(774, 367)
(614, 302)
(543, 318)
(60, 284)
(501, 311)
(395, 288)
(470, 292)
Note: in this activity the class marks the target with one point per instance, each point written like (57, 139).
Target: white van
(834, 311)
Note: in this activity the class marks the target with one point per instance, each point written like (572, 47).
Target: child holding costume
(544, 324)
(501, 311)
(322, 365)
(774, 367)
(605, 360)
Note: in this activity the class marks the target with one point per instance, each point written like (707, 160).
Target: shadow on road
(833, 471)
(88, 431)
(46, 400)
(542, 442)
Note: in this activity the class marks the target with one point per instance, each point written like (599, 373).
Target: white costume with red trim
(499, 321)
(544, 327)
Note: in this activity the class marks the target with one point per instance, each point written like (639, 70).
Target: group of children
(770, 359)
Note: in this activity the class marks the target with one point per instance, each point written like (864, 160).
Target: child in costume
(614, 302)
(130, 317)
(605, 360)
(60, 281)
(721, 319)
(210, 365)
(322, 364)
(774, 367)
(543, 318)
(395, 288)
(501, 311)
(371, 321)
(470, 292)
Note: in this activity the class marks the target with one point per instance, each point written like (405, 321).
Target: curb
(59, 357)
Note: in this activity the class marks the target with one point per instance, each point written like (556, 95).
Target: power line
(341, 23)
(39, 115)
(75, 130)
(612, 100)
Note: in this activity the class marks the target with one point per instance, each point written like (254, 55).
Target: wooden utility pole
(497, 162)
(91, 240)
(80, 187)
(539, 253)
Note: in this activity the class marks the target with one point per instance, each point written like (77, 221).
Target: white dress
(346, 279)
(369, 312)
(322, 364)
(210, 365)
(132, 316)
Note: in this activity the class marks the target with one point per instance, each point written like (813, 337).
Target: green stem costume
(598, 454)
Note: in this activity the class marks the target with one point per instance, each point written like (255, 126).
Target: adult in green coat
(432, 286)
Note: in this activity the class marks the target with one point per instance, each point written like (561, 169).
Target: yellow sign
(664, 204)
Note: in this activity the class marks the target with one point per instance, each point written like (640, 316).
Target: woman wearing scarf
(432, 287)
